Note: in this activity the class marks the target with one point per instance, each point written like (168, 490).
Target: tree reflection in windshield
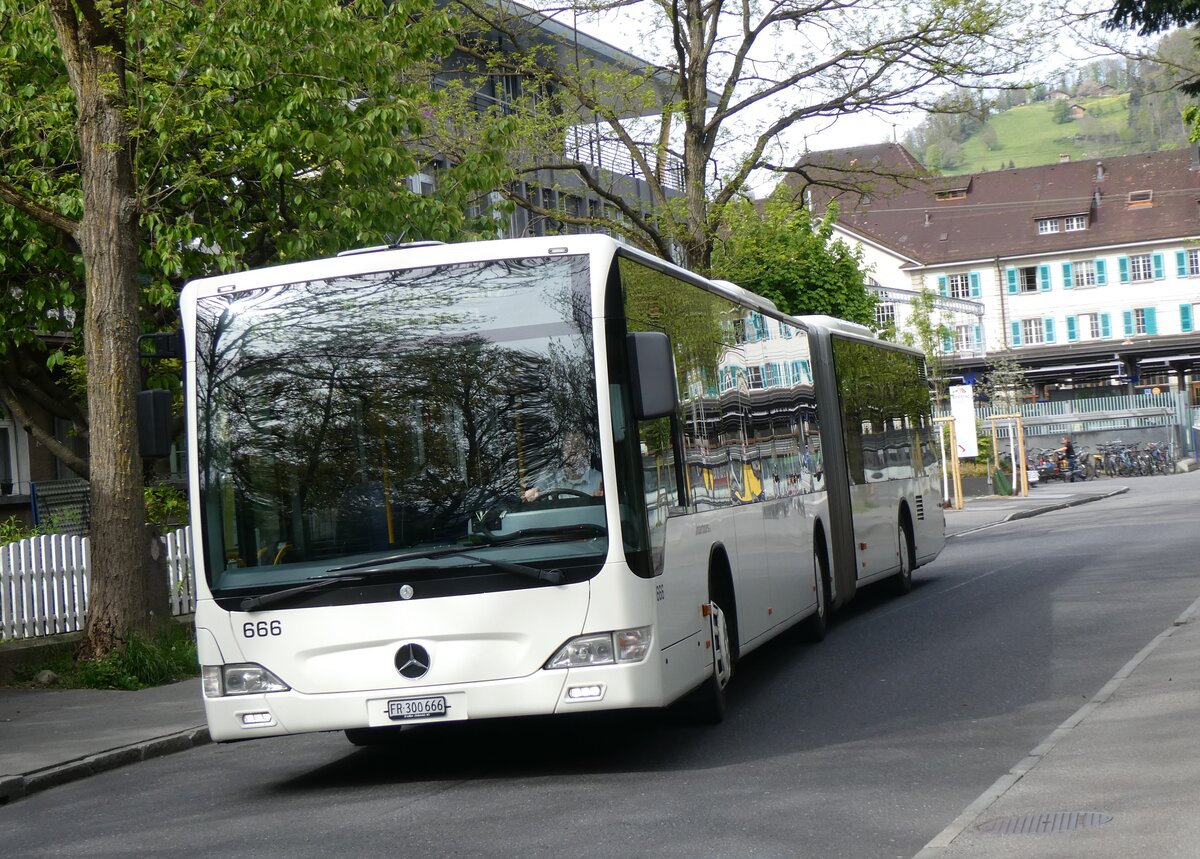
(386, 410)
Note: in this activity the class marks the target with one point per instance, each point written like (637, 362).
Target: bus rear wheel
(816, 624)
(902, 581)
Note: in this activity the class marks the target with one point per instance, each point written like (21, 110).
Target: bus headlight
(246, 678)
(604, 648)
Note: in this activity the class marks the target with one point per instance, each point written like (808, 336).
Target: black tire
(706, 705)
(374, 737)
(902, 581)
(817, 623)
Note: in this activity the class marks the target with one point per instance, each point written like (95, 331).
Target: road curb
(1037, 511)
(972, 813)
(1074, 502)
(14, 787)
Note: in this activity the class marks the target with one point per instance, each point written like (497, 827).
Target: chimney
(1063, 157)
(1100, 170)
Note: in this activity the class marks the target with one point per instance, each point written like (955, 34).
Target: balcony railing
(586, 144)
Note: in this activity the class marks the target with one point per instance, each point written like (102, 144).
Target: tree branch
(18, 200)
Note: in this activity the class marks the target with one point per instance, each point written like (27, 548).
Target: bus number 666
(261, 629)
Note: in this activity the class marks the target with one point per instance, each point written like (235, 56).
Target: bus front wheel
(707, 704)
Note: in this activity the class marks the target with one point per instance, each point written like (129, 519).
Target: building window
(755, 377)
(1047, 225)
(1141, 267)
(964, 338)
(885, 315)
(955, 194)
(1140, 199)
(1193, 263)
(959, 285)
(1139, 321)
(1089, 326)
(1032, 332)
(1027, 279)
(1074, 223)
(1084, 273)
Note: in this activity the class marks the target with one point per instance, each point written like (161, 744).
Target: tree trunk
(93, 46)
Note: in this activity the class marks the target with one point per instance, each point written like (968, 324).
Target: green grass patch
(1028, 136)
(167, 657)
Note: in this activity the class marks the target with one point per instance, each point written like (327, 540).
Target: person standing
(1067, 453)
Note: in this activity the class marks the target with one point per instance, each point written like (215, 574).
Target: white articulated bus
(548, 475)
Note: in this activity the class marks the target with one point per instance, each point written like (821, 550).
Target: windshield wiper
(556, 534)
(379, 565)
(252, 603)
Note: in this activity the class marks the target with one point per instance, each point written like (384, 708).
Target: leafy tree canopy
(262, 132)
(781, 253)
(1153, 16)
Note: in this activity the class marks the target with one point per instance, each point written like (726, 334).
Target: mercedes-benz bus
(366, 434)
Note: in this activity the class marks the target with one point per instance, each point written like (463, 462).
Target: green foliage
(782, 254)
(927, 328)
(1005, 386)
(142, 662)
(168, 657)
(13, 529)
(1145, 114)
(255, 144)
(166, 506)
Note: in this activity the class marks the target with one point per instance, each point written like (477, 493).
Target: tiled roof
(998, 214)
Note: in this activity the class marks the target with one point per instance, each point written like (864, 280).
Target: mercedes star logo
(412, 661)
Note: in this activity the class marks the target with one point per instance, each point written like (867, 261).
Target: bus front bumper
(605, 687)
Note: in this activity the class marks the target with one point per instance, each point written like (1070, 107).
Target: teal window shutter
(1127, 318)
(760, 326)
(1048, 327)
(1011, 274)
(1101, 273)
(947, 345)
(942, 290)
(1160, 268)
(1044, 278)
(1016, 333)
(1185, 318)
(976, 289)
(979, 337)
(1151, 321)
(1123, 269)
(1181, 263)
(1068, 277)
(1072, 332)
(1105, 325)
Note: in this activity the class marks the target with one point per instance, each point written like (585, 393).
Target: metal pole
(945, 476)
(1012, 451)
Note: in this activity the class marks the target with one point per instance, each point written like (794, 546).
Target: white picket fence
(45, 581)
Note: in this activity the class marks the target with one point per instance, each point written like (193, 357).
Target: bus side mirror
(154, 423)
(652, 367)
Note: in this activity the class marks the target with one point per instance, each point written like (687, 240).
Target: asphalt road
(865, 745)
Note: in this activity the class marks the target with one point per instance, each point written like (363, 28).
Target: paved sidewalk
(1119, 779)
(52, 736)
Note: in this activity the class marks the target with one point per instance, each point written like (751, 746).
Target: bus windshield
(360, 417)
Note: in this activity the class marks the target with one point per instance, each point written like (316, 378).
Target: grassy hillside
(1028, 136)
